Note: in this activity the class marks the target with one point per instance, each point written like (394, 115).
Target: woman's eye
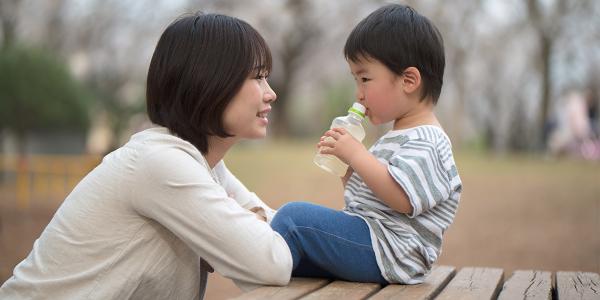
(364, 79)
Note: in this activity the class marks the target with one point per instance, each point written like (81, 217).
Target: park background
(72, 83)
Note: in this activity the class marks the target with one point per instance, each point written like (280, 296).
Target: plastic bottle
(352, 124)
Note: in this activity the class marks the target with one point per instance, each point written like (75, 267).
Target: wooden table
(446, 283)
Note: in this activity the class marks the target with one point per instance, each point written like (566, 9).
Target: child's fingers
(325, 145)
(333, 134)
(320, 140)
(339, 130)
(326, 150)
(327, 142)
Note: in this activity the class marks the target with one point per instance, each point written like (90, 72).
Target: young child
(401, 194)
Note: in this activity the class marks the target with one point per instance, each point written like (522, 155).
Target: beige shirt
(136, 226)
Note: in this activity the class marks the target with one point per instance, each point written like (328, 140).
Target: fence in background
(41, 177)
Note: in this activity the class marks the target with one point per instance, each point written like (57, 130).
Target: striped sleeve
(420, 172)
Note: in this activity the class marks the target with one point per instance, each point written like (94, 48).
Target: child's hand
(342, 144)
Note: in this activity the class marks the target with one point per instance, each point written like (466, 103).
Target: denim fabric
(327, 243)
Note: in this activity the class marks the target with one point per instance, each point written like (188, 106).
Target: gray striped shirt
(420, 160)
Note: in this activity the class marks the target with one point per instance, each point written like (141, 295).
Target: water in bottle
(352, 124)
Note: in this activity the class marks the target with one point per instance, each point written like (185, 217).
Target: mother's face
(246, 115)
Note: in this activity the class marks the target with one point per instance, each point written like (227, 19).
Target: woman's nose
(269, 95)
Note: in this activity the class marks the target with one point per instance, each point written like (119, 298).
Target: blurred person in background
(575, 132)
(590, 149)
(593, 110)
(161, 211)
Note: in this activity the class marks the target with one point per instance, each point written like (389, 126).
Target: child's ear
(411, 80)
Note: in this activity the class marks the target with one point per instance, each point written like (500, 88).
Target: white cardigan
(136, 226)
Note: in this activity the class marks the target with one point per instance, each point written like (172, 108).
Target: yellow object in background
(42, 177)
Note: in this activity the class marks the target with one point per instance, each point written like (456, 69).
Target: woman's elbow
(279, 279)
(278, 275)
(279, 270)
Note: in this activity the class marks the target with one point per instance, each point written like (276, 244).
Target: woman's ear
(411, 80)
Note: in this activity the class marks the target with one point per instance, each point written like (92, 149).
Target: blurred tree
(303, 33)
(109, 48)
(7, 29)
(99, 47)
(8, 21)
(498, 53)
(38, 93)
(108, 86)
(519, 139)
(457, 50)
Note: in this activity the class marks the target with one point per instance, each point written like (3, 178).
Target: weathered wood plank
(297, 288)
(344, 290)
(435, 282)
(577, 285)
(530, 285)
(473, 283)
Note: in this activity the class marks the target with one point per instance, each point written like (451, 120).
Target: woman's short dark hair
(200, 63)
(399, 37)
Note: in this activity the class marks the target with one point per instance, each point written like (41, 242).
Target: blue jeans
(327, 243)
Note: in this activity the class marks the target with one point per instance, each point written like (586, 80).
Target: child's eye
(363, 79)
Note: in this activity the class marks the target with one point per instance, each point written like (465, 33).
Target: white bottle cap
(358, 109)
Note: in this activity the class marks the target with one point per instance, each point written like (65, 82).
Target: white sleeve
(238, 191)
(178, 192)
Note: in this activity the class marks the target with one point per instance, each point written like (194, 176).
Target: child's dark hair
(200, 63)
(399, 37)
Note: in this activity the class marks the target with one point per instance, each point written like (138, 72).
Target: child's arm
(373, 172)
(347, 176)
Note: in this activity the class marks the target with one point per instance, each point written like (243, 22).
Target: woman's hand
(259, 212)
(343, 145)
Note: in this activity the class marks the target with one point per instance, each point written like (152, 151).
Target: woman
(138, 225)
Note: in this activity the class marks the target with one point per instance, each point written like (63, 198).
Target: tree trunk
(281, 119)
(546, 84)
(8, 18)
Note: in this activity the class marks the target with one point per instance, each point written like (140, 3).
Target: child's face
(246, 115)
(379, 90)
